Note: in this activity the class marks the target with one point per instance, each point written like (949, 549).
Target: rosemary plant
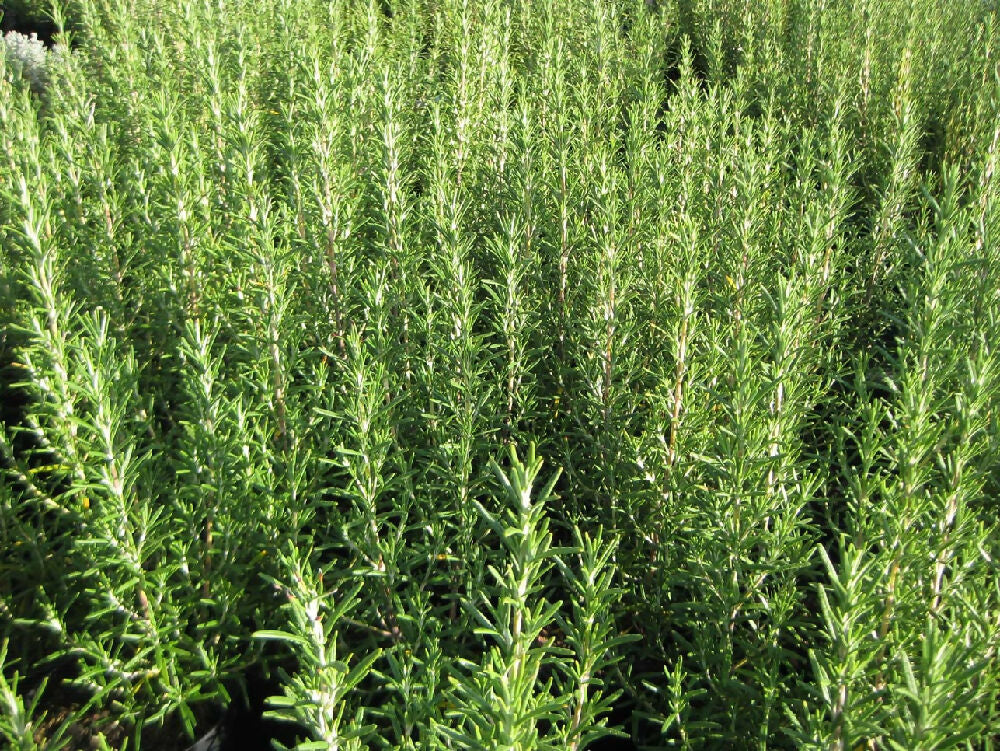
(295, 295)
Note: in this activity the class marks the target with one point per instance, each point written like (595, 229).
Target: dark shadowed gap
(17, 17)
(27, 17)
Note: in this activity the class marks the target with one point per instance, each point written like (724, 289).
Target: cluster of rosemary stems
(295, 296)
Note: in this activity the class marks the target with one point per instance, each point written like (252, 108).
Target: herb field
(502, 374)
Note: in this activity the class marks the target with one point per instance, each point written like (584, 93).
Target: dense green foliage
(296, 295)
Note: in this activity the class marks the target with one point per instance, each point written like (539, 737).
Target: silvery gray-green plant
(28, 56)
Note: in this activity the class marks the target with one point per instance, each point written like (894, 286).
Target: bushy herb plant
(297, 295)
